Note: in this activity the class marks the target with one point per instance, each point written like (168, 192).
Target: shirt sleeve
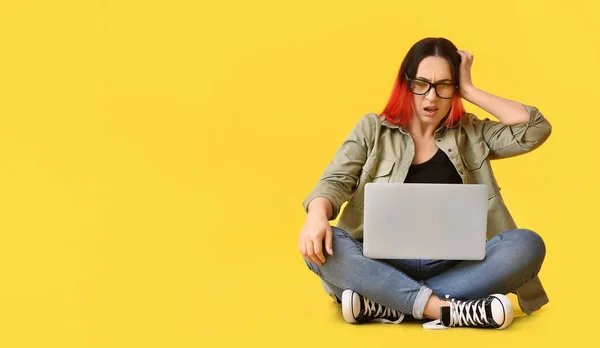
(508, 141)
(339, 180)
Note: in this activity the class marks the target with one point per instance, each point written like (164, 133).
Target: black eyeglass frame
(431, 84)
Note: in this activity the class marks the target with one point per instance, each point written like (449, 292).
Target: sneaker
(357, 309)
(494, 311)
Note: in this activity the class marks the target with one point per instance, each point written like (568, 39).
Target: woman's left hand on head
(466, 83)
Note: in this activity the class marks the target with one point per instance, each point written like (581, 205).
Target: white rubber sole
(508, 310)
(348, 297)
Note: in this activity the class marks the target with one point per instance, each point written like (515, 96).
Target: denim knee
(533, 241)
(343, 249)
(338, 232)
(532, 244)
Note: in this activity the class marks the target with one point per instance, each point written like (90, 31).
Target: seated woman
(426, 133)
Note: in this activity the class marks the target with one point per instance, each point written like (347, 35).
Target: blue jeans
(512, 258)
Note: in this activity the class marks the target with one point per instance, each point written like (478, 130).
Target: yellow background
(154, 157)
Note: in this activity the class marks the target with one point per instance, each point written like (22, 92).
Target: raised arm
(513, 139)
(520, 128)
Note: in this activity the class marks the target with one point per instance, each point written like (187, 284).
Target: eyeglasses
(420, 87)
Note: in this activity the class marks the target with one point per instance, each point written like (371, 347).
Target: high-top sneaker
(357, 309)
(494, 311)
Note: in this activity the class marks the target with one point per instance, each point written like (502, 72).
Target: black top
(437, 170)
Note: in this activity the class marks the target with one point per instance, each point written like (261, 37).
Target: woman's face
(436, 70)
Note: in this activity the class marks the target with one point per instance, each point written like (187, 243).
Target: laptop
(425, 221)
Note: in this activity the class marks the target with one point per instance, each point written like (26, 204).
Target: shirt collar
(404, 130)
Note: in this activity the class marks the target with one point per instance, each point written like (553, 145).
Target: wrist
(318, 214)
(468, 92)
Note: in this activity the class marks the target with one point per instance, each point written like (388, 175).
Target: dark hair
(431, 46)
(399, 107)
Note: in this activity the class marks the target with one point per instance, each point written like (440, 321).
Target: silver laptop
(425, 221)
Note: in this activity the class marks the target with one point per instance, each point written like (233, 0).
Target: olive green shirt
(378, 151)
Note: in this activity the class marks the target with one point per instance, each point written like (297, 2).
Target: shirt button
(449, 150)
(439, 140)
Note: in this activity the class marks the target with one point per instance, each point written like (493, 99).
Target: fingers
(318, 245)
(328, 241)
(463, 58)
(465, 55)
(310, 253)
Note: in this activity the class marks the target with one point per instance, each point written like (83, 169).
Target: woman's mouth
(430, 110)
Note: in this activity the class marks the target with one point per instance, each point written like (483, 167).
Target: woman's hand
(315, 230)
(466, 84)
(508, 112)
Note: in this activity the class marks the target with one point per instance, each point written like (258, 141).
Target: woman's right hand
(315, 230)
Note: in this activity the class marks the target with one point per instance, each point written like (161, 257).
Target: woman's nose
(431, 95)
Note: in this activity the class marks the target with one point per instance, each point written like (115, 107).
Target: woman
(424, 135)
